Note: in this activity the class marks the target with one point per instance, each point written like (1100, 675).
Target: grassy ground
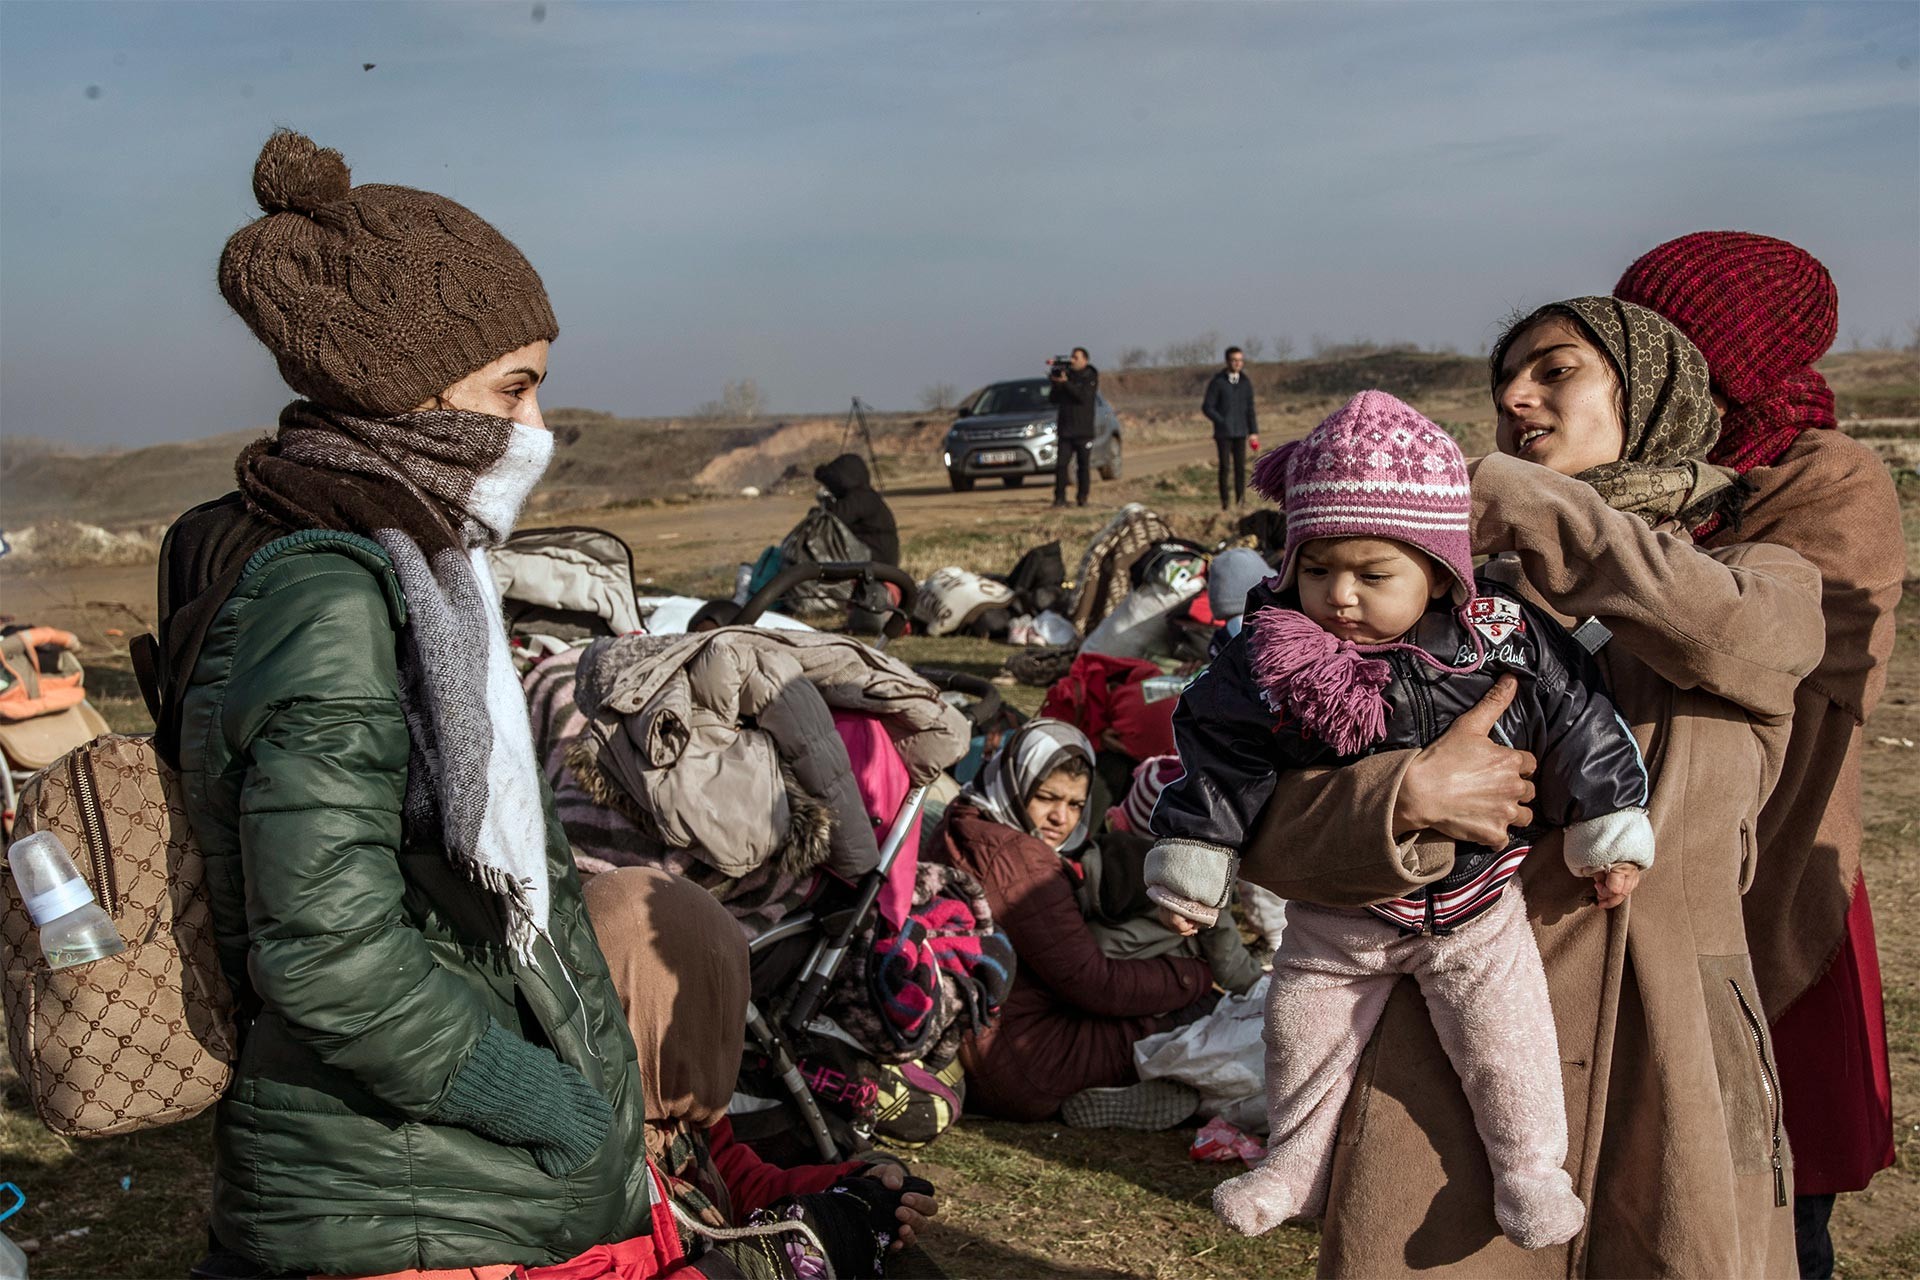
(1021, 1200)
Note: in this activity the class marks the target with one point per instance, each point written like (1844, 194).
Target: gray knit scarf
(435, 489)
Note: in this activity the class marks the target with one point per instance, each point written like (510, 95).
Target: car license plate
(998, 457)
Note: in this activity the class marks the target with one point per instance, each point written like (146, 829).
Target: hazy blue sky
(866, 199)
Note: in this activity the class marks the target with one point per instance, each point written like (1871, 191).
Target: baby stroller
(802, 957)
(802, 963)
(44, 712)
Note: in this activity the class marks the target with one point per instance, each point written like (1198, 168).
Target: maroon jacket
(1073, 1015)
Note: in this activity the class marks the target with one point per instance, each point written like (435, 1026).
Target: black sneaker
(1149, 1106)
(1060, 502)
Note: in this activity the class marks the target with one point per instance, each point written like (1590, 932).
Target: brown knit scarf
(327, 469)
(433, 490)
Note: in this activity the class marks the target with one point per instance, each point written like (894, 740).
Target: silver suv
(1009, 430)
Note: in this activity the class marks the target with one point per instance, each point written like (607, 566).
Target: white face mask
(504, 489)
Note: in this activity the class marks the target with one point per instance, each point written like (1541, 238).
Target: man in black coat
(1229, 407)
(855, 503)
(1075, 389)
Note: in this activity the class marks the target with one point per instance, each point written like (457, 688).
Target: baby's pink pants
(1486, 991)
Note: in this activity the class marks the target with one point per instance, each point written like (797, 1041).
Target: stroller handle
(823, 966)
(829, 571)
(986, 698)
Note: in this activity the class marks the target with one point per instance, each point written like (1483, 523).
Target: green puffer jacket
(374, 970)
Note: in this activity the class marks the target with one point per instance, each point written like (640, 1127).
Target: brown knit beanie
(374, 299)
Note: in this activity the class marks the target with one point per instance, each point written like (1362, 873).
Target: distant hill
(121, 488)
(603, 460)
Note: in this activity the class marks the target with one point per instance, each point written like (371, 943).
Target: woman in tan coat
(1673, 1106)
(1762, 311)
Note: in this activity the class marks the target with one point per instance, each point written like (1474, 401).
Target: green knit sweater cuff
(520, 1094)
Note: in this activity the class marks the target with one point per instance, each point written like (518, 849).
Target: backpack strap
(201, 562)
(144, 649)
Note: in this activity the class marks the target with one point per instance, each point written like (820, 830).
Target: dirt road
(670, 543)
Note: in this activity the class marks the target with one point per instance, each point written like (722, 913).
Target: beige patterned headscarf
(1669, 417)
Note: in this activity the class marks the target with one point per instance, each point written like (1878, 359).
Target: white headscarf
(1026, 758)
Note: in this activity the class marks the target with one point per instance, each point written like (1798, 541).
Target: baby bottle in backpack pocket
(73, 928)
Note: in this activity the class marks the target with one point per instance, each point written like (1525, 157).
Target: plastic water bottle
(1160, 688)
(73, 928)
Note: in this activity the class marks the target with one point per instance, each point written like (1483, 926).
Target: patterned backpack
(146, 1037)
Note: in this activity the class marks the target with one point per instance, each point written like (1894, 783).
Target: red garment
(1831, 1048)
(655, 1256)
(1761, 311)
(658, 1254)
(1101, 696)
(752, 1183)
(1073, 1015)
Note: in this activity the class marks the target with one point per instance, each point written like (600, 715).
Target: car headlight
(1034, 430)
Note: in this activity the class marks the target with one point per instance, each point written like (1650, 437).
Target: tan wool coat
(1673, 1114)
(1829, 498)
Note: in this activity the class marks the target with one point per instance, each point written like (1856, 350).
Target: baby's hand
(1175, 921)
(1611, 886)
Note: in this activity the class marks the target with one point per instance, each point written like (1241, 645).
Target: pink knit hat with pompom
(1377, 468)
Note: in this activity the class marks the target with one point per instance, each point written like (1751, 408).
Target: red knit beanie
(1758, 308)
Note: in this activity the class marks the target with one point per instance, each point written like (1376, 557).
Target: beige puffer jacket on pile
(721, 738)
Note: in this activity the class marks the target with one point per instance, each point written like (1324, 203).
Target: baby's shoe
(1256, 1202)
(1536, 1211)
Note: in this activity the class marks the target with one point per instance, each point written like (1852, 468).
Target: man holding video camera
(1076, 387)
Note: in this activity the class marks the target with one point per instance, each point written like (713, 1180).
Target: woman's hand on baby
(1463, 784)
(915, 1208)
(1175, 921)
(1612, 885)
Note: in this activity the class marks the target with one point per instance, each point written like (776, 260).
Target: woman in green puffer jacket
(436, 1072)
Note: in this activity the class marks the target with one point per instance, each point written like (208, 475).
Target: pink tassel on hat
(1270, 473)
(1325, 683)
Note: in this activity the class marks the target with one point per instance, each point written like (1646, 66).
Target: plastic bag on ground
(1219, 1142)
(1222, 1056)
(1048, 629)
(1141, 627)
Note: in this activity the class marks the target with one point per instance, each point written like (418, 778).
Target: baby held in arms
(1374, 637)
